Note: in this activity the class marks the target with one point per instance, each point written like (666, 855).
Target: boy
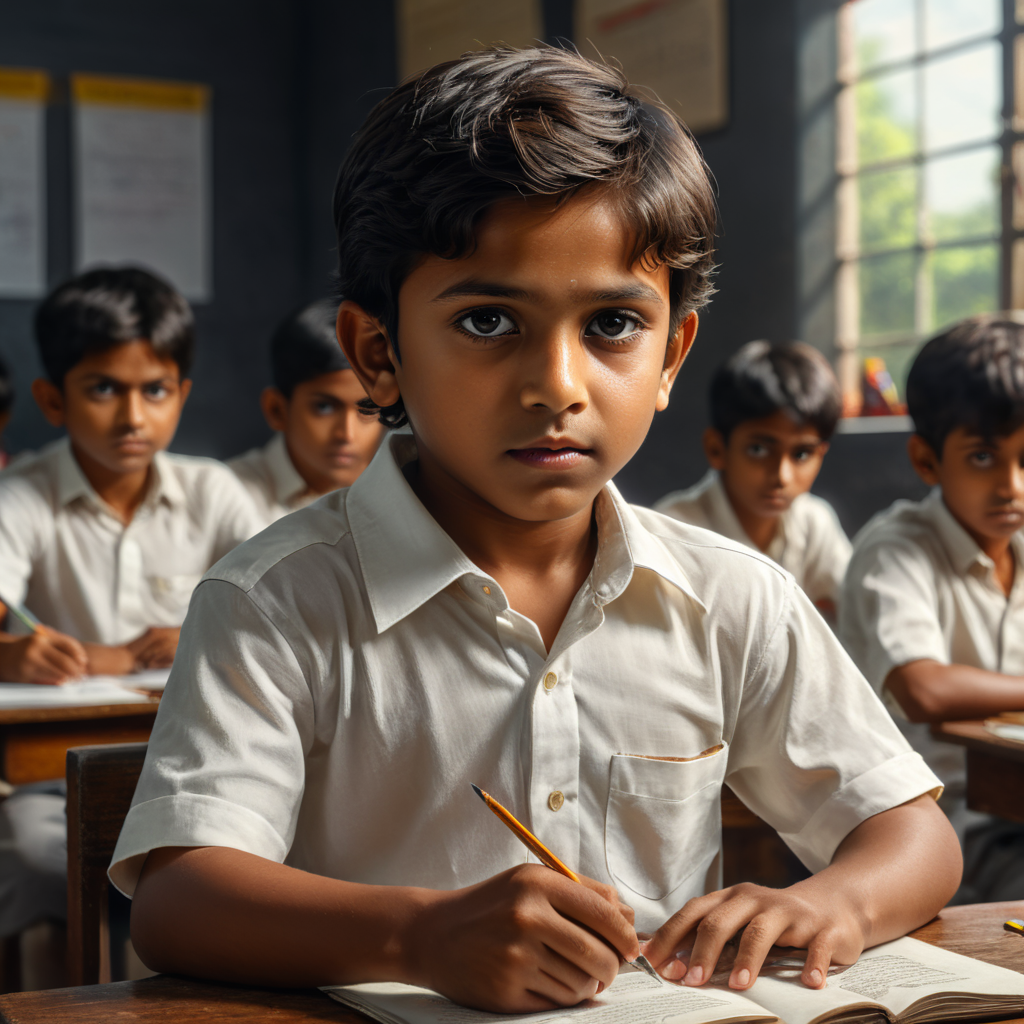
(773, 410)
(934, 598)
(102, 534)
(522, 248)
(324, 438)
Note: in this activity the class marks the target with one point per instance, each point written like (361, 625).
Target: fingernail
(674, 970)
(695, 975)
(815, 978)
(600, 987)
(741, 979)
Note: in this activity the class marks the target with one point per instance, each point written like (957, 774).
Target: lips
(550, 453)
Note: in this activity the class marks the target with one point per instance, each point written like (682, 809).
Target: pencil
(23, 615)
(545, 856)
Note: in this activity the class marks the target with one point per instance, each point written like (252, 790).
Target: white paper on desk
(148, 679)
(93, 690)
(22, 182)
(142, 177)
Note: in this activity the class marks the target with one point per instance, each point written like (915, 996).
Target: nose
(554, 373)
(1011, 482)
(784, 471)
(131, 410)
(345, 424)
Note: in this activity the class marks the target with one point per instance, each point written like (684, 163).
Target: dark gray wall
(292, 80)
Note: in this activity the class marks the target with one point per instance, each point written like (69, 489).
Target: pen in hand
(546, 857)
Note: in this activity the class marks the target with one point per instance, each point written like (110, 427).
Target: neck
(760, 529)
(123, 492)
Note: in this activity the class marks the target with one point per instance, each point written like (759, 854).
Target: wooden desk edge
(974, 736)
(77, 712)
(973, 930)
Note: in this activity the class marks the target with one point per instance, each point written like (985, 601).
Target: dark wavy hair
(762, 378)
(110, 306)
(970, 376)
(503, 123)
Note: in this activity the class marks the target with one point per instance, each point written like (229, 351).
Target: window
(928, 212)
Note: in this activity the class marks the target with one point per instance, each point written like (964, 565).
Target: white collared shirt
(345, 676)
(918, 586)
(273, 482)
(68, 557)
(810, 541)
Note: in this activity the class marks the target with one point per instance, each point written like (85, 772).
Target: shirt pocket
(664, 819)
(174, 591)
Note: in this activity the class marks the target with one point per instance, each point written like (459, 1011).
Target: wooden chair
(101, 783)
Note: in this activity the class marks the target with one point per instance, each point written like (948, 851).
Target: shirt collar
(960, 546)
(406, 558)
(288, 482)
(72, 482)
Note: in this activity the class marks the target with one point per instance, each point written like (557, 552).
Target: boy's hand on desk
(156, 647)
(528, 939)
(107, 660)
(46, 657)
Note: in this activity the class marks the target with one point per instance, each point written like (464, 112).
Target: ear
(365, 344)
(275, 408)
(678, 349)
(50, 400)
(714, 448)
(923, 459)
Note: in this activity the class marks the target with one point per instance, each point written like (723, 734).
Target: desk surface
(975, 736)
(975, 931)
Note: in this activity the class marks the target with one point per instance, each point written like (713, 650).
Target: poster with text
(23, 96)
(430, 31)
(143, 178)
(676, 49)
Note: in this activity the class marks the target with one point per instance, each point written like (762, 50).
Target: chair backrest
(101, 783)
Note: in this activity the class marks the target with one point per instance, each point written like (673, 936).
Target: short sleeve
(814, 752)
(888, 615)
(226, 759)
(22, 516)
(828, 554)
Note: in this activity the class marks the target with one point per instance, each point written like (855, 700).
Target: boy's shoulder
(908, 533)
(38, 480)
(694, 504)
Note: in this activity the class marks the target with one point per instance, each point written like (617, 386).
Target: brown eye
(612, 325)
(487, 323)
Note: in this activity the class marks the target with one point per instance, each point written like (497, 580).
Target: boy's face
(982, 480)
(766, 463)
(532, 368)
(119, 406)
(330, 440)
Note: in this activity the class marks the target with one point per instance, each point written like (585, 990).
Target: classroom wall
(292, 81)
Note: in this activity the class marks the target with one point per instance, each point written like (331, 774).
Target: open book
(905, 981)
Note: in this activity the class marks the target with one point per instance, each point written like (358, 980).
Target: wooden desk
(975, 931)
(995, 768)
(34, 741)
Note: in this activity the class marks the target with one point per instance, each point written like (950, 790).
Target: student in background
(6, 403)
(773, 410)
(103, 535)
(523, 246)
(933, 602)
(324, 438)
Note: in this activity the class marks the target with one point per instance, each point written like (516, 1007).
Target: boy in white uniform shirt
(522, 246)
(103, 535)
(773, 410)
(933, 603)
(324, 438)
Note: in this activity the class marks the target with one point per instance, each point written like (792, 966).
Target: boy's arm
(526, 940)
(891, 874)
(929, 691)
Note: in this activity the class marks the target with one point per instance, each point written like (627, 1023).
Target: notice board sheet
(676, 49)
(23, 96)
(143, 178)
(431, 31)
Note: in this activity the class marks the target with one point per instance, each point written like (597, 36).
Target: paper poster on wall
(430, 31)
(678, 49)
(23, 96)
(142, 177)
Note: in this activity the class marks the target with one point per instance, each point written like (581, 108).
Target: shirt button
(487, 590)
(550, 681)
(555, 800)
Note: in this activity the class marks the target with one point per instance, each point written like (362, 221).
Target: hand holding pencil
(44, 656)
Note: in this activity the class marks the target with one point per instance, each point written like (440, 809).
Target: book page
(892, 977)
(632, 999)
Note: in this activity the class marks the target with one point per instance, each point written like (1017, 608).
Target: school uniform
(345, 676)
(919, 587)
(273, 482)
(68, 557)
(809, 542)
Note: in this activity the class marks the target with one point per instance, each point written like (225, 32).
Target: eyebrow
(93, 378)
(473, 287)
